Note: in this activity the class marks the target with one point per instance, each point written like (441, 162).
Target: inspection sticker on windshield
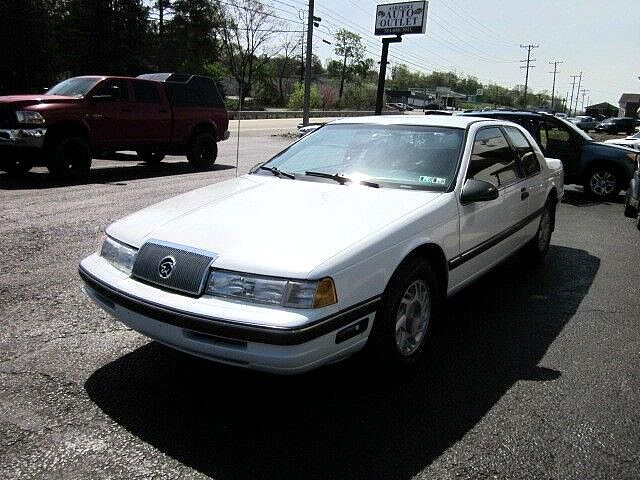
(433, 180)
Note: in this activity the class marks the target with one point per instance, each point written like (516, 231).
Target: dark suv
(617, 125)
(603, 170)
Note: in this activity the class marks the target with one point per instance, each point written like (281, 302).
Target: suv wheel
(203, 151)
(404, 320)
(629, 211)
(70, 157)
(150, 158)
(602, 182)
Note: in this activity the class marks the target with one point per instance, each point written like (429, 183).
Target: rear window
(146, 92)
(200, 91)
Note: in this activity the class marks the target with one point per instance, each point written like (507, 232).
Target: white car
(632, 141)
(353, 236)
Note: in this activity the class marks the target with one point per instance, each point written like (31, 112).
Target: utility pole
(553, 88)
(528, 66)
(566, 100)
(583, 92)
(307, 69)
(575, 109)
(573, 87)
(382, 74)
(344, 71)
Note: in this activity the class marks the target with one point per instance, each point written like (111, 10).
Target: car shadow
(577, 198)
(116, 174)
(346, 420)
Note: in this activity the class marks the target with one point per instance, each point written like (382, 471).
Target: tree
(349, 46)
(328, 95)
(248, 28)
(284, 64)
(296, 99)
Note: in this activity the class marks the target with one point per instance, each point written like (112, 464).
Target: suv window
(118, 89)
(492, 159)
(553, 136)
(146, 92)
(528, 157)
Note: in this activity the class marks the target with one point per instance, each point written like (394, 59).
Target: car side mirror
(477, 191)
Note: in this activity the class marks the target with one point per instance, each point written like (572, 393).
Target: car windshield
(575, 129)
(73, 87)
(400, 156)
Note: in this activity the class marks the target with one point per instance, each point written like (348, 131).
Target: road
(532, 374)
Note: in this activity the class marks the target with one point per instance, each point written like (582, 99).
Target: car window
(146, 92)
(528, 157)
(395, 156)
(117, 89)
(492, 159)
(553, 136)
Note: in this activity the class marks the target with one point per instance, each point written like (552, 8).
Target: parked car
(617, 125)
(352, 236)
(584, 122)
(632, 200)
(83, 116)
(603, 170)
(632, 141)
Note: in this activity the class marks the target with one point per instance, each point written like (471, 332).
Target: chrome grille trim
(190, 272)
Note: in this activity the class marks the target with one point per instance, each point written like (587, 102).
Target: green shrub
(296, 99)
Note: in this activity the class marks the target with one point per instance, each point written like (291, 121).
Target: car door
(110, 113)
(557, 141)
(533, 186)
(488, 229)
(151, 118)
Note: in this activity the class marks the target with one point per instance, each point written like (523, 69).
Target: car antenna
(238, 134)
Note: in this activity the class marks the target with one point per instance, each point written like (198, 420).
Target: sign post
(396, 19)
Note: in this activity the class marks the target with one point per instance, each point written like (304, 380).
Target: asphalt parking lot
(532, 374)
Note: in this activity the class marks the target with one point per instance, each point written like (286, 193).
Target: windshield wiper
(341, 179)
(277, 172)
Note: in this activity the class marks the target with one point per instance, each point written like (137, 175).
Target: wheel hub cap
(603, 182)
(412, 317)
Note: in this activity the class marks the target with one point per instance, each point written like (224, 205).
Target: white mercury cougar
(351, 237)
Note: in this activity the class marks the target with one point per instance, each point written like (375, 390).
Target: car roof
(456, 121)
(508, 113)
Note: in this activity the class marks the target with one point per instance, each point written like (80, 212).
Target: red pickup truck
(154, 115)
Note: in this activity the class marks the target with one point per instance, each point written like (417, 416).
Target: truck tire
(403, 323)
(150, 158)
(17, 168)
(602, 182)
(69, 158)
(203, 151)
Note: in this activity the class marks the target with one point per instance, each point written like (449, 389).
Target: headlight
(118, 254)
(30, 118)
(272, 291)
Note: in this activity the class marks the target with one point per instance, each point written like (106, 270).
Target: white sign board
(401, 18)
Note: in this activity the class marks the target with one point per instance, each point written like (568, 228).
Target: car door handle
(523, 193)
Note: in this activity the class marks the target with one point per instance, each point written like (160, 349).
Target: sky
(482, 38)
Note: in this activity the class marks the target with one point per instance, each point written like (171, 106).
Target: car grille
(7, 117)
(189, 270)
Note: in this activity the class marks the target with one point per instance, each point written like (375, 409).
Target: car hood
(609, 148)
(24, 100)
(271, 226)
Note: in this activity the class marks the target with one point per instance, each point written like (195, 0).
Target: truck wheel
(403, 322)
(150, 158)
(17, 168)
(70, 158)
(629, 211)
(203, 151)
(602, 183)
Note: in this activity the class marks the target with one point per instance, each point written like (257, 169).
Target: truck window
(528, 157)
(117, 89)
(492, 159)
(553, 136)
(145, 92)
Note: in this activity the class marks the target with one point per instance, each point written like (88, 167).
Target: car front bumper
(276, 350)
(23, 137)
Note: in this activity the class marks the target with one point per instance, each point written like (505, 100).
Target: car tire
(18, 168)
(69, 158)
(203, 151)
(150, 158)
(629, 211)
(403, 323)
(535, 251)
(602, 182)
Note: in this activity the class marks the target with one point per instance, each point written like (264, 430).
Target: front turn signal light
(325, 293)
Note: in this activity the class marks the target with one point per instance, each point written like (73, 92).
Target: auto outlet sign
(401, 18)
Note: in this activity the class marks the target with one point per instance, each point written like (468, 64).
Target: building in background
(604, 108)
(629, 103)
